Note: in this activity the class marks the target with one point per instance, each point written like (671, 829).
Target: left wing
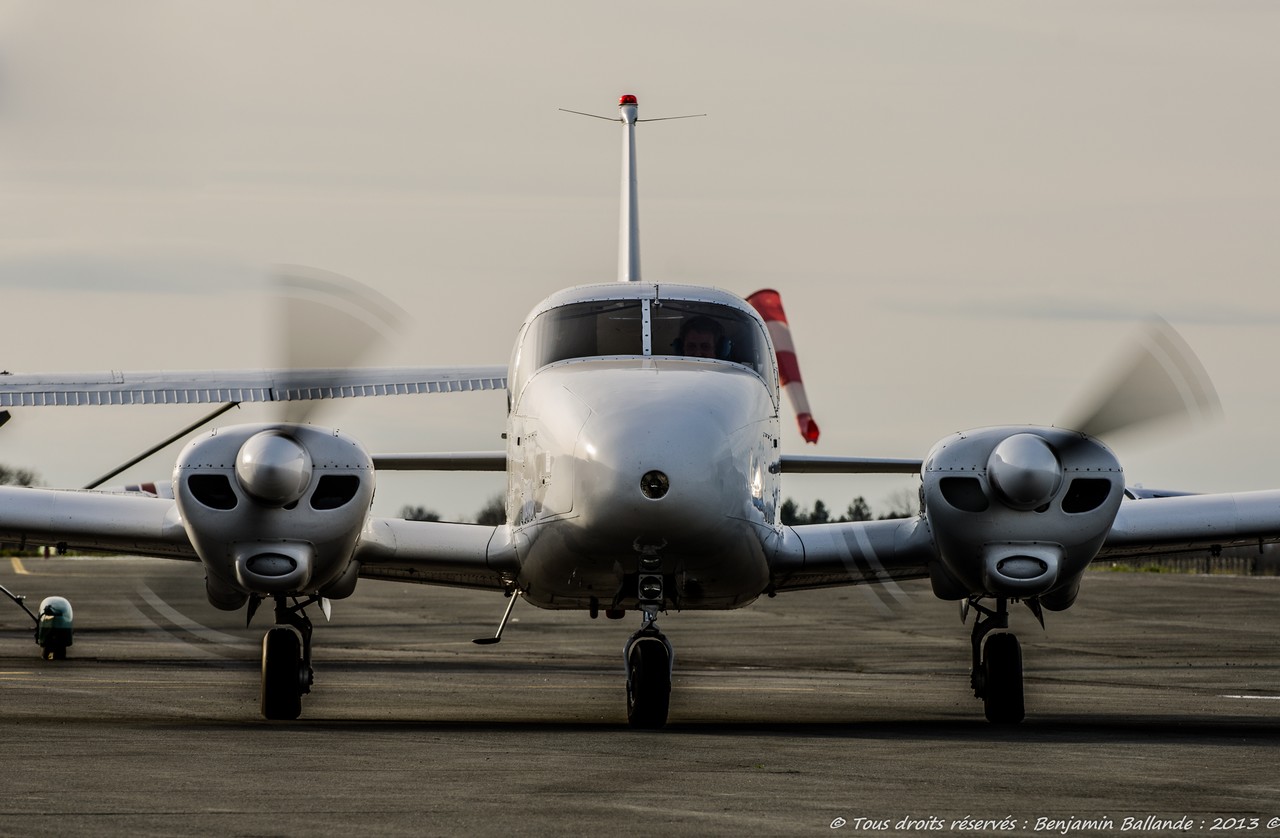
(852, 553)
(861, 552)
(1165, 525)
(223, 386)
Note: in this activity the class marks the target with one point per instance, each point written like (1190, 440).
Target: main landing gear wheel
(648, 681)
(1002, 684)
(286, 661)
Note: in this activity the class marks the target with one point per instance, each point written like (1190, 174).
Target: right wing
(223, 386)
(437, 553)
(132, 524)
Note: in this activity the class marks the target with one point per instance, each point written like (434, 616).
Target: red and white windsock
(769, 304)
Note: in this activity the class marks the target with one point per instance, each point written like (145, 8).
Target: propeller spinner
(273, 468)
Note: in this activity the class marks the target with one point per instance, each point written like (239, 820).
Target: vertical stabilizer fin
(629, 217)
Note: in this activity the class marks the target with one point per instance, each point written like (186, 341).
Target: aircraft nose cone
(675, 473)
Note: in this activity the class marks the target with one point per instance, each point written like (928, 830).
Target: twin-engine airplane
(643, 474)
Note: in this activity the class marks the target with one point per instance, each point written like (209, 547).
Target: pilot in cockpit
(701, 337)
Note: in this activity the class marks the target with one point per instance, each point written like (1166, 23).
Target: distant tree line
(493, 513)
(10, 476)
(902, 504)
(17, 476)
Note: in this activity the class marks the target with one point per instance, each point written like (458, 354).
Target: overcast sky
(966, 206)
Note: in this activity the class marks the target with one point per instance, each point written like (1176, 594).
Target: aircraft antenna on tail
(629, 217)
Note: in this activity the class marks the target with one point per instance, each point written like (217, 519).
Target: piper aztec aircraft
(643, 475)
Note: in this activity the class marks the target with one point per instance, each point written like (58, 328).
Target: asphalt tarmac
(1156, 698)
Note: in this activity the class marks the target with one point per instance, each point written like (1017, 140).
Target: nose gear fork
(996, 676)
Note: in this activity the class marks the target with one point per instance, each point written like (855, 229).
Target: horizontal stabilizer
(222, 386)
(801, 464)
(448, 461)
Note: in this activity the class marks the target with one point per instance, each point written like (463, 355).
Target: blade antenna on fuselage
(629, 217)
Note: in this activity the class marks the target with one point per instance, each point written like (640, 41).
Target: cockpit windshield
(691, 329)
(647, 328)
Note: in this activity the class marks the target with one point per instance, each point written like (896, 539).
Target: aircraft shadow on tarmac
(1091, 730)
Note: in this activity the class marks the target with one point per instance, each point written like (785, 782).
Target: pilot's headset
(702, 323)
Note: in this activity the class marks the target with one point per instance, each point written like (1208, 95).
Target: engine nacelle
(1018, 511)
(274, 509)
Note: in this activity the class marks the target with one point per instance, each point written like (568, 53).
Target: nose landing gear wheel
(1002, 682)
(648, 683)
(281, 674)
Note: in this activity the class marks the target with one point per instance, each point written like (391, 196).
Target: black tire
(1002, 687)
(281, 663)
(54, 653)
(649, 687)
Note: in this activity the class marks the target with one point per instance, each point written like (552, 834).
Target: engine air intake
(964, 493)
(1086, 494)
(212, 490)
(334, 491)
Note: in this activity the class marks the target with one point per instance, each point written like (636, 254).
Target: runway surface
(1156, 696)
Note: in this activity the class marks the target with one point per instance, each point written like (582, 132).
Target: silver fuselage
(582, 435)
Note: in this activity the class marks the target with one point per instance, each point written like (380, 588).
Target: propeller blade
(1158, 379)
(324, 319)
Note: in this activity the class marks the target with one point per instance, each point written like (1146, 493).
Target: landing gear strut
(649, 659)
(997, 665)
(286, 660)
